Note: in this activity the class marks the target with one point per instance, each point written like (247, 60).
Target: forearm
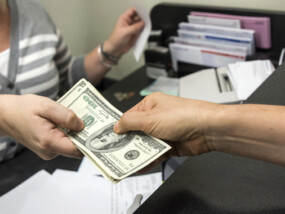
(95, 69)
(256, 131)
(5, 108)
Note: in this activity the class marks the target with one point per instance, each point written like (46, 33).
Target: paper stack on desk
(221, 35)
(230, 84)
(246, 77)
(212, 42)
(71, 192)
(261, 25)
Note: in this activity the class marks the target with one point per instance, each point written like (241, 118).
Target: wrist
(105, 61)
(212, 123)
(111, 49)
(6, 115)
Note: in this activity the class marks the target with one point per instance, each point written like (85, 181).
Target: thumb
(131, 121)
(62, 116)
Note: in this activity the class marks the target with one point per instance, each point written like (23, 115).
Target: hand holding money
(116, 155)
(31, 120)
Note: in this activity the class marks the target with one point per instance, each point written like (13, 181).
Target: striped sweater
(39, 62)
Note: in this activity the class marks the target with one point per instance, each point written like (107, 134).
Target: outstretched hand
(34, 121)
(173, 119)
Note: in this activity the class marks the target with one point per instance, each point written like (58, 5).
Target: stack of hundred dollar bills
(116, 156)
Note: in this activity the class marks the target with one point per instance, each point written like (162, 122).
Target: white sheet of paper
(142, 39)
(219, 38)
(246, 77)
(49, 198)
(202, 56)
(69, 192)
(72, 192)
(231, 23)
(88, 167)
(13, 201)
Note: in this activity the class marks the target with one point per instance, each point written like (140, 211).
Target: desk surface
(223, 183)
(132, 83)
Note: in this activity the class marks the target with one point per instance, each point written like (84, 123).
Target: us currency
(116, 156)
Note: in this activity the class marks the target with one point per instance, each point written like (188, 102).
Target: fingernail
(80, 125)
(116, 126)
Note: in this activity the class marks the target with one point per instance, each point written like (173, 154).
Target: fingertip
(73, 122)
(69, 149)
(80, 125)
(78, 154)
(116, 127)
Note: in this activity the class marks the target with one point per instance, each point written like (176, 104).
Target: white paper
(71, 192)
(242, 33)
(231, 40)
(13, 201)
(202, 56)
(246, 77)
(86, 166)
(211, 44)
(231, 23)
(142, 39)
(49, 198)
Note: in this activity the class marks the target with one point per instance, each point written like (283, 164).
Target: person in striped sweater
(35, 60)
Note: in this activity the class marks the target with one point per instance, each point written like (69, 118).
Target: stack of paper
(261, 25)
(222, 22)
(72, 192)
(213, 42)
(246, 77)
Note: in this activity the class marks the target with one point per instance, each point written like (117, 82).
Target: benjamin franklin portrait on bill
(105, 140)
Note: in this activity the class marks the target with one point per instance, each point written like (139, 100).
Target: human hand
(128, 27)
(178, 121)
(33, 121)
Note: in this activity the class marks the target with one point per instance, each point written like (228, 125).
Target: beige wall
(86, 23)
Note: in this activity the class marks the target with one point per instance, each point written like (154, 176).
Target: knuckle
(152, 97)
(44, 144)
(155, 94)
(76, 153)
(45, 150)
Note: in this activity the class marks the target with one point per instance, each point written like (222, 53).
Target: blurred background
(86, 23)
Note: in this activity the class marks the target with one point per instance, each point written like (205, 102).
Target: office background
(86, 23)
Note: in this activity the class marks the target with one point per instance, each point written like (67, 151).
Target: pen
(281, 56)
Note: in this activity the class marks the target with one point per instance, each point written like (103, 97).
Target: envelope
(230, 23)
(224, 31)
(261, 26)
(231, 40)
(202, 56)
(210, 44)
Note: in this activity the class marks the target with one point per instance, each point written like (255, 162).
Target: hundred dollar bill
(116, 156)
